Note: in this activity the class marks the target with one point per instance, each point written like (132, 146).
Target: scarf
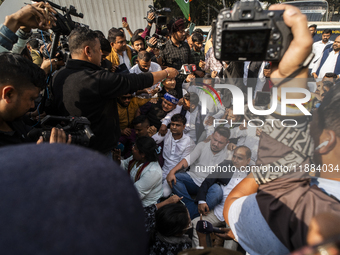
(139, 171)
(114, 58)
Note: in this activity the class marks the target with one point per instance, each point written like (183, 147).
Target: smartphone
(124, 19)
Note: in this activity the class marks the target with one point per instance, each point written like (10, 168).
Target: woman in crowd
(144, 169)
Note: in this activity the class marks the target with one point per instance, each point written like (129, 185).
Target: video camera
(159, 19)
(161, 41)
(64, 22)
(249, 33)
(77, 127)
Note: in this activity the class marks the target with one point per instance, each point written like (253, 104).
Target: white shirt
(201, 158)
(173, 150)
(318, 48)
(125, 59)
(154, 67)
(328, 66)
(238, 176)
(247, 137)
(149, 185)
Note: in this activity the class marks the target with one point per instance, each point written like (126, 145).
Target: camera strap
(305, 64)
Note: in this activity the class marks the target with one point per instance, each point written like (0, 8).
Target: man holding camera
(82, 88)
(20, 79)
(177, 52)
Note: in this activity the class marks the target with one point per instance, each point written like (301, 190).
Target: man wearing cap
(176, 52)
(156, 112)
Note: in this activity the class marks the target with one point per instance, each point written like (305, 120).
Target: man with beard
(319, 46)
(144, 65)
(177, 52)
(204, 155)
(329, 62)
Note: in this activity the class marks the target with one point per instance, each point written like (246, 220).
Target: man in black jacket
(83, 88)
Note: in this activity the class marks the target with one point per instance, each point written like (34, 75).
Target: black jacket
(216, 177)
(84, 89)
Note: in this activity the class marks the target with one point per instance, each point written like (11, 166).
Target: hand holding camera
(38, 15)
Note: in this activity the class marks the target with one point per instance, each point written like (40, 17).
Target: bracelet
(167, 72)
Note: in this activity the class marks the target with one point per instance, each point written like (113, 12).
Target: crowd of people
(180, 164)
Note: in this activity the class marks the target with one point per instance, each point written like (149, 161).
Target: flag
(185, 7)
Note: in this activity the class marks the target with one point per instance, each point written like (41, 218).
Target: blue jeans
(185, 187)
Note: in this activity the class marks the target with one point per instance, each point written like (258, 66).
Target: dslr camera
(161, 41)
(159, 19)
(77, 127)
(249, 33)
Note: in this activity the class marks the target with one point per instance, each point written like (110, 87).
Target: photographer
(20, 84)
(177, 52)
(82, 88)
(271, 215)
(19, 24)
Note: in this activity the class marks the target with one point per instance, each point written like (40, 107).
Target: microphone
(206, 227)
(187, 69)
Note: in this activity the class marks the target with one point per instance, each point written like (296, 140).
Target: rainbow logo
(209, 93)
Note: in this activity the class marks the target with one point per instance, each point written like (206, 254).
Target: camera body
(161, 41)
(160, 20)
(77, 127)
(249, 33)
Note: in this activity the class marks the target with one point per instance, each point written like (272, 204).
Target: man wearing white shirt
(227, 181)
(144, 64)
(200, 160)
(177, 145)
(192, 112)
(319, 46)
(329, 62)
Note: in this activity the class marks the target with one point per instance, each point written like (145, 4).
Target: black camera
(159, 19)
(249, 33)
(161, 41)
(77, 127)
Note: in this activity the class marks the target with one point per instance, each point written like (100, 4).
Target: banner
(185, 7)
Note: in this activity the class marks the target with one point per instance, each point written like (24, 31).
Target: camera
(249, 33)
(159, 19)
(161, 41)
(77, 127)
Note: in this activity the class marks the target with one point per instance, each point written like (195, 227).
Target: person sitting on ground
(204, 155)
(168, 85)
(171, 223)
(143, 169)
(330, 77)
(127, 106)
(177, 146)
(227, 180)
(156, 112)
